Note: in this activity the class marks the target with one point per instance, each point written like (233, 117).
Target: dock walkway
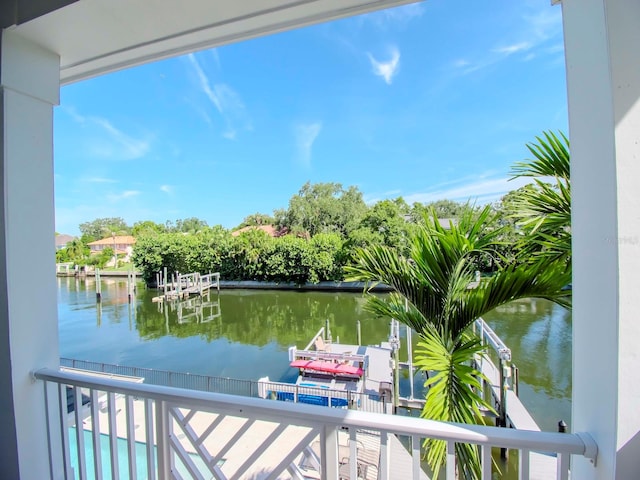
(184, 285)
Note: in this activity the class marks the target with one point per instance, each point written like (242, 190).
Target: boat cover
(327, 367)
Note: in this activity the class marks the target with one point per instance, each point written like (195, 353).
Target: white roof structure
(94, 37)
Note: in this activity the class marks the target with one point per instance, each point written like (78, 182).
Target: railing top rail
(319, 354)
(578, 443)
(108, 367)
(320, 334)
(494, 340)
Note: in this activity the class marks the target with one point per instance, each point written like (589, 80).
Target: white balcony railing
(121, 429)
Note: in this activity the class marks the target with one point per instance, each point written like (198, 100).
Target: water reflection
(259, 318)
(246, 333)
(539, 335)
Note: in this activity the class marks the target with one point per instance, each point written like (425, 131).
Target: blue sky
(428, 101)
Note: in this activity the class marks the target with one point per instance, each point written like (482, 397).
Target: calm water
(246, 334)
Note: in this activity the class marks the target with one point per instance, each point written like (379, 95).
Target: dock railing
(185, 284)
(183, 432)
(190, 381)
(316, 395)
(498, 374)
(370, 402)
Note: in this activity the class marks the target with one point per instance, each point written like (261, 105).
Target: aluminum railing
(173, 433)
(369, 402)
(167, 378)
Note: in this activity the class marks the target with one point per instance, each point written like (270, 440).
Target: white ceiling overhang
(94, 37)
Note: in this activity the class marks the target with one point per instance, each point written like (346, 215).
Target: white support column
(29, 87)
(602, 38)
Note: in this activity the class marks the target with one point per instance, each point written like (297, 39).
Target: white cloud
(404, 12)
(540, 26)
(205, 85)
(461, 63)
(387, 69)
(225, 99)
(168, 189)
(544, 23)
(395, 17)
(513, 48)
(201, 111)
(118, 145)
(73, 113)
(305, 135)
(116, 197)
(557, 48)
(481, 190)
(131, 148)
(216, 57)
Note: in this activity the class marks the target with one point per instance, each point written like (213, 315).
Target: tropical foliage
(323, 208)
(252, 255)
(435, 280)
(543, 209)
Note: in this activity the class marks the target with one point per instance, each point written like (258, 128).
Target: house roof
(63, 239)
(447, 222)
(118, 240)
(268, 229)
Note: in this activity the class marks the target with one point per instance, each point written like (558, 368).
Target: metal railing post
(329, 452)
(163, 441)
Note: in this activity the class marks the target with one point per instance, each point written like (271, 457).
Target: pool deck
(252, 449)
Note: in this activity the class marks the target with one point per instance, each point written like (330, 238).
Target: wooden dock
(181, 286)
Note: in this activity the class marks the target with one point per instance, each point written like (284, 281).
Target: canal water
(246, 333)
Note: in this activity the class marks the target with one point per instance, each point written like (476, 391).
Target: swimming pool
(123, 458)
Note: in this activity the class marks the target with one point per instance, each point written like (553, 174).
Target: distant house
(270, 230)
(446, 223)
(62, 240)
(122, 244)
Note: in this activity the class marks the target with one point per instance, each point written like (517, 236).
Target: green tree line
(318, 233)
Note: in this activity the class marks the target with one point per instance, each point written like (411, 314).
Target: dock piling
(410, 360)
(359, 333)
(164, 281)
(98, 286)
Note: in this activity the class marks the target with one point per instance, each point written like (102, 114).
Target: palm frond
(543, 279)
(440, 306)
(544, 210)
(551, 158)
(453, 394)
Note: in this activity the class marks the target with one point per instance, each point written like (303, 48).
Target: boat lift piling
(131, 285)
(410, 361)
(394, 341)
(98, 286)
(164, 278)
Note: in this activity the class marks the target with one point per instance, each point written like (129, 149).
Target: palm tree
(76, 248)
(544, 210)
(435, 282)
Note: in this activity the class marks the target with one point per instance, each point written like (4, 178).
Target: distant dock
(182, 286)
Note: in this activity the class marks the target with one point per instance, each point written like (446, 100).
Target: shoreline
(327, 286)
